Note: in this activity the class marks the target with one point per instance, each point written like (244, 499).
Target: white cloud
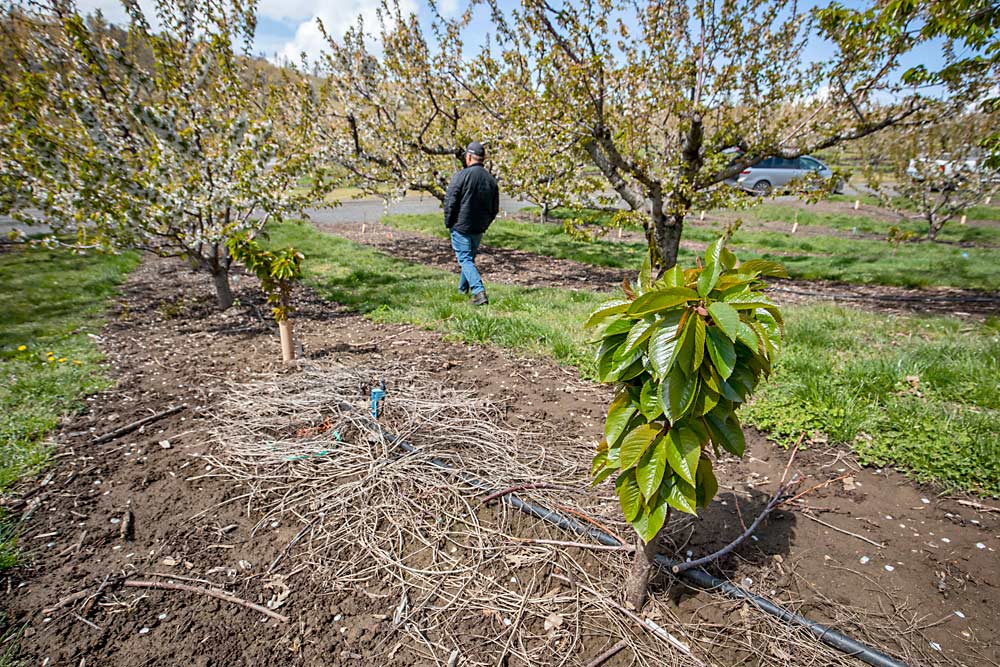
(337, 18)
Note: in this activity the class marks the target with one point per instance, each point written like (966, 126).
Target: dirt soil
(519, 267)
(932, 586)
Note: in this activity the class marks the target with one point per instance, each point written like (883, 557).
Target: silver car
(777, 172)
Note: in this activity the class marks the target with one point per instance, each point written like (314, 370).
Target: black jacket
(472, 200)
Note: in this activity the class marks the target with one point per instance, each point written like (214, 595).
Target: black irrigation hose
(698, 577)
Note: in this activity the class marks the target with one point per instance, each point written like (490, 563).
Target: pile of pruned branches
(433, 546)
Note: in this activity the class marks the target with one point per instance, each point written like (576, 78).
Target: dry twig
(211, 592)
(139, 423)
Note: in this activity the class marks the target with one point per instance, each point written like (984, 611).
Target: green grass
(820, 257)
(873, 261)
(850, 223)
(51, 300)
(843, 376)
(544, 239)
(539, 321)
(919, 393)
(978, 212)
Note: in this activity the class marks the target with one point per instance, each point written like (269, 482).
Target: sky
(287, 28)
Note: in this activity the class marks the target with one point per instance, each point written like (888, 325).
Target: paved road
(8, 224)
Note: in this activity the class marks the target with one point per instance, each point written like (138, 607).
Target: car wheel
(762, 188)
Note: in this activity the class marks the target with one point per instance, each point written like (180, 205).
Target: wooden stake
(364, 226)
(962, 221)
(857, 204)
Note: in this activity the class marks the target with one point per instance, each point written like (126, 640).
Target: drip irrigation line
(698, 577)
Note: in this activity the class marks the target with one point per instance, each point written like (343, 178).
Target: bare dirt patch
(167, 347)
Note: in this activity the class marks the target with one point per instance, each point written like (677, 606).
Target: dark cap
(476, 148)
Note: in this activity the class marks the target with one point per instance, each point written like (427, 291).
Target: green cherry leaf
(722, 352)
(628, 495)
(635, 442)
(726, 318)
(651, 519)
(621, 410)
(683, 451)
(649, 472)
(661, 299)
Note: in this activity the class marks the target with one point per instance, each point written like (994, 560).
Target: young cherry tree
(168, 140)
(278, 272)
(935, 173)
(684, 351)
(660, 94)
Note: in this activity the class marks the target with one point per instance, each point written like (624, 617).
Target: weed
(170, 310)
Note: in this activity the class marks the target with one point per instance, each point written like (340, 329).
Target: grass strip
(918, 393)
(814, 257)
(52, 300)
(854, 223)
(979, 212)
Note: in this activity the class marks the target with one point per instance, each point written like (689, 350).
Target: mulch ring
(271, 487)
(518, 267)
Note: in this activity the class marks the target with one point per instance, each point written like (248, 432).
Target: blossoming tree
(671, 100)
(167, 140)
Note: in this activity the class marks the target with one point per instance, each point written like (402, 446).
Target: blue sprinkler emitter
(378, 395)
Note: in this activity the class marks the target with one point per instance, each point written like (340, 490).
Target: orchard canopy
(164, 132)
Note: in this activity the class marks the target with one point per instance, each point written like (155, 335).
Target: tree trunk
(933, 229)
(637, 584)
(287, 343)
(222, 290)
(667, 239)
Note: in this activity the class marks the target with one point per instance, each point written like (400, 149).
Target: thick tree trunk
(667, 237)
(665, 233)
(218, 263)
(637, 584)
(224, 293)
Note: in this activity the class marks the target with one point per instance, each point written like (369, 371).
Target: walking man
(470, 206)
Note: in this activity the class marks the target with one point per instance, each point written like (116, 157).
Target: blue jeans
(466, 246)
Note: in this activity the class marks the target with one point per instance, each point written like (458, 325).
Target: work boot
(479, 299)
